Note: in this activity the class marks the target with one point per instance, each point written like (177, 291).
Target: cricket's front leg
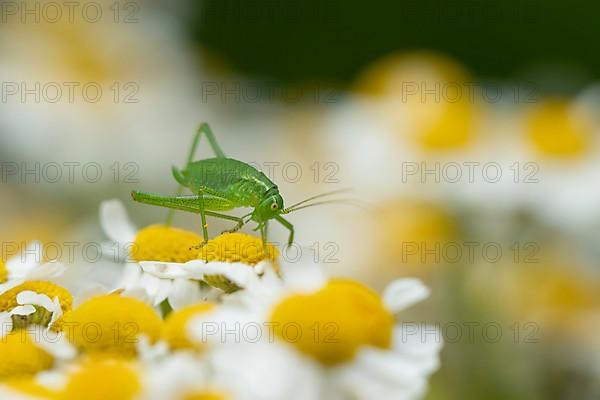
(236, 228)
(288, 225)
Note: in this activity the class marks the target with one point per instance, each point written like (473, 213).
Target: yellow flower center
(556, 130)
(236, 247)
(208, 395)
(102, 380)
(331, 324)
(175, 332)
(165, 243)
(21, 357)
(8, 301)
(3, 272)
(111, 324)
(452, 128)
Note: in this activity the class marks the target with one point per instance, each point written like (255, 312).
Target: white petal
(115, 222)
(30, 297)
(46, 272)
(54, 379)
(88, 293)
(148, 351)
(58, 312)
(403, 293)
(184, 293)
(269, 371)
(174, 376)
(23, 310)
(304, 277)
(399, 373)
(10, 284)
(389, 366)
(359, 383)
(55, 343)
(168, 270)
(131, 276)
(139, 294)
(150, 283)
(419, 343)
(19, 265)
(239, 273)
(212, 326)
(165, 288)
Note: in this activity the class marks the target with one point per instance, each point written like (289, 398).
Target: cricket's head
(268, 209)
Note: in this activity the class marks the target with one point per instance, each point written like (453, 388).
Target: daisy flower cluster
(227, 320)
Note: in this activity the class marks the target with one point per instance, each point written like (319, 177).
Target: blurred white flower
(28, 266)
(182, 375)
(345, 342)
(98, 82)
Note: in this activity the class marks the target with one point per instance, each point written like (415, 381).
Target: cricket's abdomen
(227, 178)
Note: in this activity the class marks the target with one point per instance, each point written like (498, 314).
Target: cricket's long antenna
(293, 206)
(351, 202)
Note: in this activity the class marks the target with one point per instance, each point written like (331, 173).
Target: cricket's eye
(274, 206)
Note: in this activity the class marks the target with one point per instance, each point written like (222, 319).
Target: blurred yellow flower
(204, 396)
(427, 96)
(3, 271)
(111, 324)
(556, 129)
(20, 356)
(175, 332)
(335, 322)
(559, 298)
(102, 380)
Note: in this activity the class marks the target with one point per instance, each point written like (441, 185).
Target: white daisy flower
(33, 302)
(163, 260)
(340, 336)
(28, 294)
(118, 227)
(89, 54)
(559, 138)
(30, 303)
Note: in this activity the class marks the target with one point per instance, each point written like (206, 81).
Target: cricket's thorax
(229, 178)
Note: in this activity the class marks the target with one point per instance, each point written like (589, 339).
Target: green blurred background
(335, 40)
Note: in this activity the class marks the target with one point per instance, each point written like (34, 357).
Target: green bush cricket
(223, 184)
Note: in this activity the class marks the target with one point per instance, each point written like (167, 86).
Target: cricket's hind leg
(177, 173)
(205, 128)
